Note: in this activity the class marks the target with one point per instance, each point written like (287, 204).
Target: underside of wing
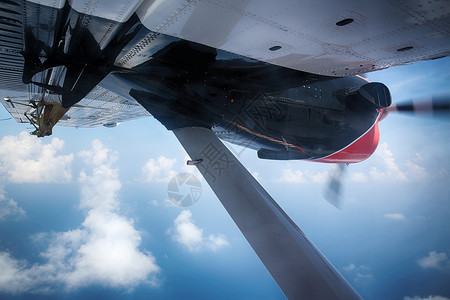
(31, 85)
(334, 38)
(99, 107)
(92, 39)
(103, 107)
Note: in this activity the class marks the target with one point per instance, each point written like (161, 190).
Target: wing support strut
(297, 266)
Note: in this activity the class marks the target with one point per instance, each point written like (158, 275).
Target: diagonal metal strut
(297, 266)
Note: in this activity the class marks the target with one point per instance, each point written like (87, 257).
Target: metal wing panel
(297, 266)
(11, 43)
(99, 107)
(305, 35)
(17, 106)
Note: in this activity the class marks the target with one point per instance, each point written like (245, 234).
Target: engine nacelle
(359, 150)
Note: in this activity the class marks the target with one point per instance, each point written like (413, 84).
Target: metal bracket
(194, 162)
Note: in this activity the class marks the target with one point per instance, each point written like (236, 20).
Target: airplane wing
(53, 49)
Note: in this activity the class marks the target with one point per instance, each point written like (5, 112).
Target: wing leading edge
(297, 266)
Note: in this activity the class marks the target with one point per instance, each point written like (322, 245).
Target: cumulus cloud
(104, 250)
(390, 170)
(8, 207)
(99, 155)
(186, 233)
(99, 190)
(159, 170)
(435, 260)
(426, 298)
(26, 159)
(395, 216)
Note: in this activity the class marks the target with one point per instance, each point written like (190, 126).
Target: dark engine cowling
(376, 93)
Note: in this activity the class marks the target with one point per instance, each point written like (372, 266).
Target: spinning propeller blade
(434, 105)
(334, 188)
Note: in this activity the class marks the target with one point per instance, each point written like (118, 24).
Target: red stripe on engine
(359, 150)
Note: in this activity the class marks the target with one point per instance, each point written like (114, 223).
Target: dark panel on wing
(11, 45)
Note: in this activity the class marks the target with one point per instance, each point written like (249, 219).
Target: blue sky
(85, 213)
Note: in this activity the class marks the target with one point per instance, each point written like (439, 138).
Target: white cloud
(186, 233)
(391, 170)
(98, 155)
(290, 175)
(435, 260)
(160, 170)
(26, 159)
(395, 216)
(104, 250)
(12, 275)
(363, 277)
(415, 171)
(350, 267)
(359, 177)
(359, 274)
(8, 207)
(99, 190)
(318, 177)
(426, 298)
(216, 241)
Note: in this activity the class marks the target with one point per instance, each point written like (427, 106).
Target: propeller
(333, 191)
(436, 106)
